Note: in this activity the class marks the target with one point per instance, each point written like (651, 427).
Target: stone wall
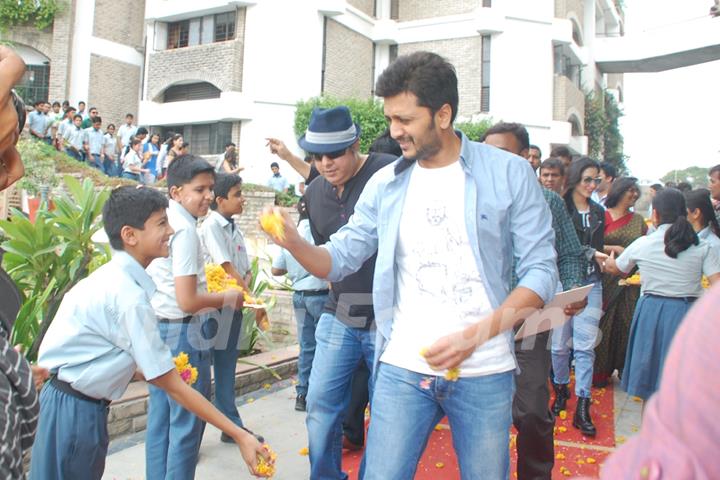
(365, 6)
(466, 55)
(419, 9)
(567, 99)
(348, 62)
(125, 25)
(113, 99)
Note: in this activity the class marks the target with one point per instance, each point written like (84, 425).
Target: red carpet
(574, 453)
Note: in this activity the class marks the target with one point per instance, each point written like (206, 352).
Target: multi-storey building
(93, 52)
(221, 71)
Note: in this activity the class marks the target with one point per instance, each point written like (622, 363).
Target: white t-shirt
(439, 289)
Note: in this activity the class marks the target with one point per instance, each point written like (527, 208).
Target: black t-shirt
(350, 299)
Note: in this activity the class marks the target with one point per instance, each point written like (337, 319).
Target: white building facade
(219, 71)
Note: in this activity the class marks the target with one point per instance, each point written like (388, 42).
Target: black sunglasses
(330, 155)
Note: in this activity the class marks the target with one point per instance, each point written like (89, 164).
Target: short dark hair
(553, 163)
(223, 183)
(618, 189)
(56, 103)
(70, 109)
(427, 75)
(110, 125)
(715, 169)
(77, 116)
(656, 186)
(560, 151)
(516, 129)
(535, 147)
(81, 102)
(608, 169)
(274, 164)
(186, 167)
(700, 199)
(129, 115)
(38, 102)
(141, 131)
(386, 144)
(96, 120)
(92, 108)
(230, 144)
(684, 186)
(129, 206)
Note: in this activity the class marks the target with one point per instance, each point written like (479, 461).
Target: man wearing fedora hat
(332, 140)
(446, 222)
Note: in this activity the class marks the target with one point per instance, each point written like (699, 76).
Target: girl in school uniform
(672, 261)
(701, 216)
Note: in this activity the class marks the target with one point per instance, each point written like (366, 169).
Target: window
(487, 3)
(178, 34)
(224, 26)
(394, 9)
(206, 139)
(191, 91)
(35, 83)
(393, 52)
(485, 75)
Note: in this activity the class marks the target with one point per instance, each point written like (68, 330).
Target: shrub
(474, 130)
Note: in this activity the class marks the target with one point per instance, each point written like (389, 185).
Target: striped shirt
(19, 409)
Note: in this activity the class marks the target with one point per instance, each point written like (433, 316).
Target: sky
(671, 117)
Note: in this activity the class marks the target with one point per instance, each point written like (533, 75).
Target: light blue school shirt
(222, 242)
(301, 278)
(95, 140)
(707, 235)
(186, 259)
(665, 276)
(104, 330)
(38, 122)
(278, 183)
(506, 216)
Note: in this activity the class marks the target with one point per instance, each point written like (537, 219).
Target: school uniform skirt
(654, 324)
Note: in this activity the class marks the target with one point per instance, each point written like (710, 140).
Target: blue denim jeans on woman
(581, 334)
(338, 352)
(408, 405)
(308, 309)
(174, 434)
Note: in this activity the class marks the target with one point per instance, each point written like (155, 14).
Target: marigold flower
(562, 429)
(439, 465)
(305, 451)
(188, 373)
(452, 374)
(590, 460)
(265, 468)
(563, 414)
(273, 224)
(560, 456)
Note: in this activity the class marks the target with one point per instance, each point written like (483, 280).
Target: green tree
(41, 13)
(602, 127)
(696, 176)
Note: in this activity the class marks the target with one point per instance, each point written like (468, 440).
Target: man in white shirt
(126, 132)
(447, 219)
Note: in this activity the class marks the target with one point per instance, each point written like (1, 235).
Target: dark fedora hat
(329, 130)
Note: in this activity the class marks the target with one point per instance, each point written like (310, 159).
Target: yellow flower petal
(304, 451)
(273, 224)
(560, 456)
(590, 460)
(439, 465)
(452, 374)
(563, 414)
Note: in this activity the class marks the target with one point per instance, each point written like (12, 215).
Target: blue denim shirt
(506, 216)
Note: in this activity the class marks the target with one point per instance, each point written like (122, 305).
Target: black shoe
(561, 397)
(582, 418)
(225, 438)
(300, 404)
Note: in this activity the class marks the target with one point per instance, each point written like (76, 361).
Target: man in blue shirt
(94, 144)
(447, 219)
(277, 182)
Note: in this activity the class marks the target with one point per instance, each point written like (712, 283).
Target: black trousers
(531, 412)
(354, 421)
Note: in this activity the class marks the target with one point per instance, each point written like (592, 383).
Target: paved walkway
(270, 411)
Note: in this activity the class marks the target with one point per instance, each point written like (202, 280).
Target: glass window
(224, 26)
(178, 34)
(35, 83)
(485, 75)
(191, 91)
(209, 139)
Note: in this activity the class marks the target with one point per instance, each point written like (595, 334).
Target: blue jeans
(338, 352)
(582, 334)
(406, 408)
(225, 356)
(76, 154)
(308, 309)
(174, 434)
(96, 161)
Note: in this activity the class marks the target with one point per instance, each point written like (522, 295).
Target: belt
(67, 388)
(313, 293)
(685, 299)
(187, 319)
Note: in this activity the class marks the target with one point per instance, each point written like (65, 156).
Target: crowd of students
(433, 259)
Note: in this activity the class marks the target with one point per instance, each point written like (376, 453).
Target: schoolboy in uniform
(173, 433)
(98, 339)
(224, 244)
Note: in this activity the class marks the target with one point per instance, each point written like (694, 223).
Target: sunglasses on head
(330, 155)
(596, 181)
